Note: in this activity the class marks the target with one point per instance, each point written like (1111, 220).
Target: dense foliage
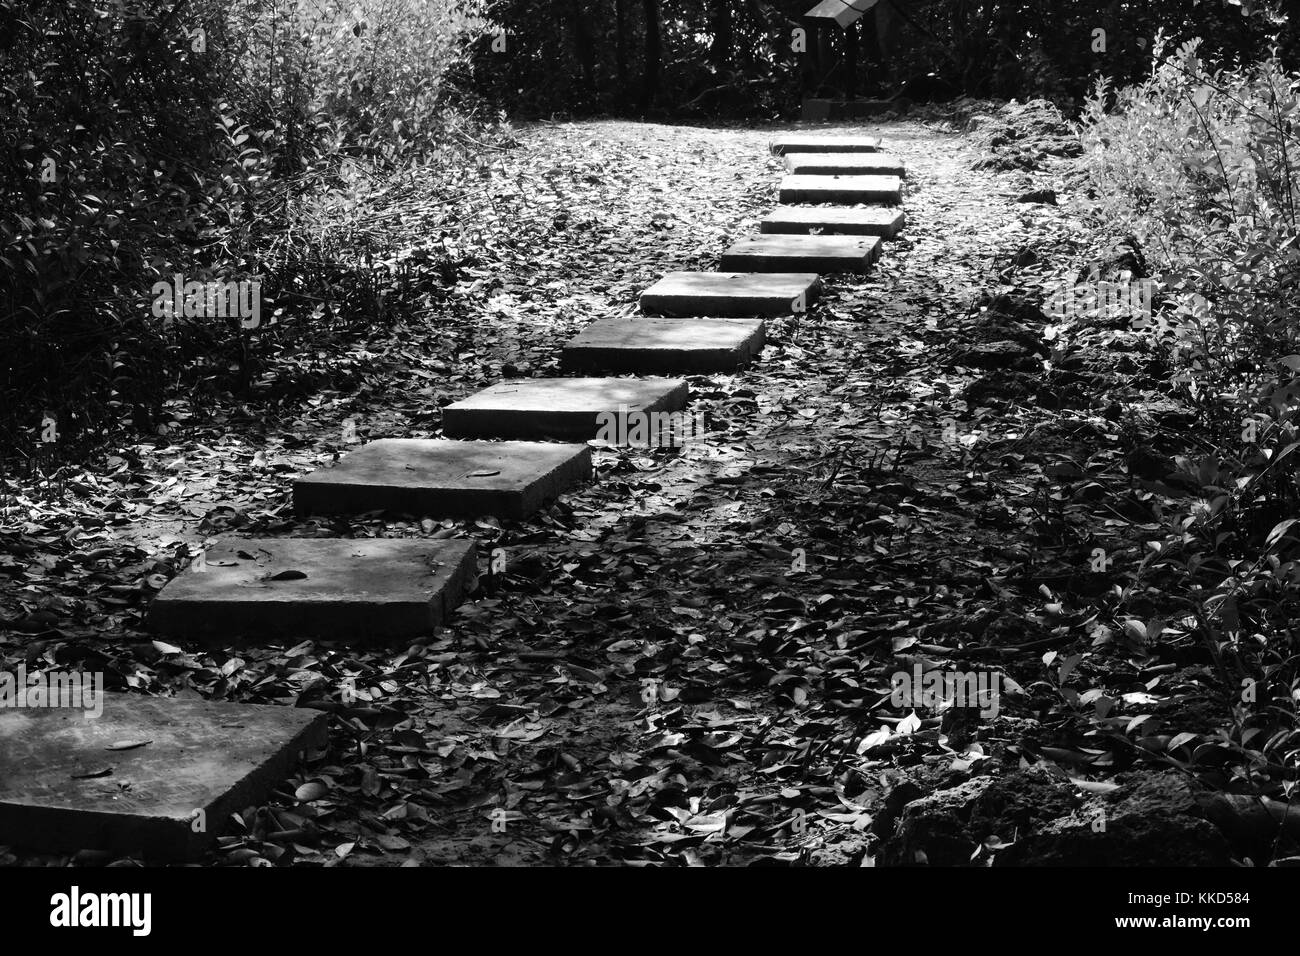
(729, 57)
(1199, 166)
(141, 140)
(151, 144)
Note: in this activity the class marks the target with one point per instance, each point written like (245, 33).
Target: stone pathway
(442, 478)
(569, 409)
(665, 345)
(884, 221)
(178, 769)
(335, 588)
(844, 164)
(777, 253)
(841, 189)
(390, 589)
(733, 294)
(818, 143)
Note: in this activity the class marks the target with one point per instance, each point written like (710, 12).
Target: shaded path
(673, 568)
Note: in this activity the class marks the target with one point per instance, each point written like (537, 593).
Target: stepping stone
(202, 762)
(884, 221)
(844, 164)
(731, 294)
(444, 479)
(814, 143)
(665, 345)
(569, 409)
(773, 253)
(291, 588)
(842, 189)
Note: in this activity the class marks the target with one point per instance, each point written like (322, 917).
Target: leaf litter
(688, 661)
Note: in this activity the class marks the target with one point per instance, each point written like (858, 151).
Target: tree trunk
(620, 45)
(583, 45)
(808, 68)
(825, 59)
(851, 61)
(884, 24)
(653, 53)
(876, 68)
(720, 50)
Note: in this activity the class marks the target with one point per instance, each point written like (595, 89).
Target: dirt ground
(689, 661)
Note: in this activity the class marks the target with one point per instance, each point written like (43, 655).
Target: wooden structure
(826, 71)
(844, 13)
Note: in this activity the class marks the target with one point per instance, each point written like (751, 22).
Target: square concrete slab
(731, 294)
(842, 189)
(565, 408)
(440, 478)
(786, 253)
(665, 345)
(292, 588)
(883, 221)
(69, 781)
(823, 143)
(844, 164)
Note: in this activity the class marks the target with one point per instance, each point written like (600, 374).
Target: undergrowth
(1198, 167)
(148, 145)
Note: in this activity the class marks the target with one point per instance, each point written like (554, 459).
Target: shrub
(105, 175)
(140, 139)
(1200, 165)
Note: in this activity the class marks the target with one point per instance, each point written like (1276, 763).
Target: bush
(1200, 166)
(718, 58)
(731, 58)
(1025, 49)
(140, 139)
